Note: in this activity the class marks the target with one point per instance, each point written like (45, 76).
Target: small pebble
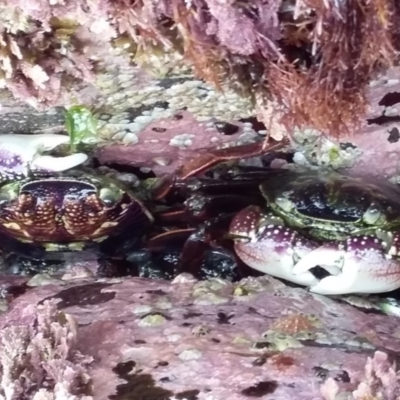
(162, 161)
(152, 320)
(174, 338)
(77, 272)
(184, 278)
(143, 119)
(130, 138)
(190, 354)
(43, 280)
(141, 309)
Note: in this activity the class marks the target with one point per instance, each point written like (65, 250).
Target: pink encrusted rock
(379, 136)
(214, 340)
(156, 149)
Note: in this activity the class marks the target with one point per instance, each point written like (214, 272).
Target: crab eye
(7, 196)
(284, 203)
(110, 197)
(372, 215)
(8, 193)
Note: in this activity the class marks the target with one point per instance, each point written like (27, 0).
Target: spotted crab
(346, 225)
(307, 220)
(52, 205)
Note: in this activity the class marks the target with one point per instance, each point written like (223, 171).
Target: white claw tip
(59, 164)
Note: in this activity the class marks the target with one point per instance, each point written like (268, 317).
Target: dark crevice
(390, 99)
(84, 295)
(143, 386)
(260, 389)
(383, 119)
(394, 135)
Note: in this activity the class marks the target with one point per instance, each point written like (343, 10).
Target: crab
(344, 225)
(43, 218)
(332, 205)
(52, 205)
(347, 226)
(23, 155)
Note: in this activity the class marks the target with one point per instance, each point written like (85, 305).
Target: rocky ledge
(135, 338)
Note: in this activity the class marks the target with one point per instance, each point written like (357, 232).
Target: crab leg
(365, 266)
(211, 158)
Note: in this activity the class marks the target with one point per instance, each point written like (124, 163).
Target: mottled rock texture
(149, 339)
(170, 138)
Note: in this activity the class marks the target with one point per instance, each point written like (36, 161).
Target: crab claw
(21, 153)
(265, 244)
(364, 266)
(58, 164)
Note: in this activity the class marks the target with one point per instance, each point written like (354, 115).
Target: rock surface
(214, 340)
(152, 128)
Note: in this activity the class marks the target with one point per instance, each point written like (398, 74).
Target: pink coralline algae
(38, 358)
(380, 381)
(155, 340)
(154, 150)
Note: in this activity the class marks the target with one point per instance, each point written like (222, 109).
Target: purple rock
(213, 339)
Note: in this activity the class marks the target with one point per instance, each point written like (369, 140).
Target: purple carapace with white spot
(11, 165)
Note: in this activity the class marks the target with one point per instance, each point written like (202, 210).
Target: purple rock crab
(344, 226)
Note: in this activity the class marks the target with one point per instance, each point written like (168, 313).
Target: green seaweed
(81, 126)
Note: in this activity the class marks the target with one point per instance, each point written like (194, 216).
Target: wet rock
(264, 340)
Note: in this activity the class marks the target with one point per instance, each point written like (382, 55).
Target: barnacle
(314, 58)
(311, 59)
(294, 324)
